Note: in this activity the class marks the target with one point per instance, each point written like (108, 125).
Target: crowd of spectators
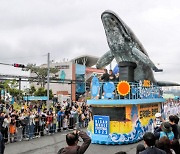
(171, 107)
(164, 138)
(33, 121)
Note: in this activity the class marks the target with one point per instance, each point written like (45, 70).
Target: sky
(29, 29)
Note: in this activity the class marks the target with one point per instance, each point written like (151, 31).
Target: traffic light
(19, 65)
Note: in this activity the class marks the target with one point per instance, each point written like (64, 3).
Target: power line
(6, 64)
(37, 56)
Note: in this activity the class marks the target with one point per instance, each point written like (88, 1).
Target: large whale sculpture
(124, 46)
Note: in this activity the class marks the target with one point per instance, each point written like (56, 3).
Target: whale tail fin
(165, 83)
(155, 69)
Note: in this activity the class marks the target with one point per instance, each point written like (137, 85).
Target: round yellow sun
(123, 88)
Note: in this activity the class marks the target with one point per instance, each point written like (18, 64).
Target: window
(115, 113)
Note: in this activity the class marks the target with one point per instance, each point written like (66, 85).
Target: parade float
(123, 111)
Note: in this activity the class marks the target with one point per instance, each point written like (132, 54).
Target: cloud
(68, 29)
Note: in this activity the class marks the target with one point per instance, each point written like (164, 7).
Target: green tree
(15, 92)
(50, 93)
(6, 85)
(43, 92)
(32, 90)
(11, 86)
(40, 92)
(41, 72)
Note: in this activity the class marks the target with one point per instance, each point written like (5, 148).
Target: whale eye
(112, 19)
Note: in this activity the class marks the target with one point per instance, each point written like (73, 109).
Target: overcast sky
(29, 29)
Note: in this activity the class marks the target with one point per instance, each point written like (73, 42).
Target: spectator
(5, 126)
(31, 124)
(1, 120)
(81, 118)
(36, 129)
(27, 124)
(164, 144)
(71, 119)
(149, 140)
(140, 148)
(176, 121)
(54, 122)
(49, 122)
(175, 146)
(2, 145)
(42, 123)
(117, 77)
(65, 123)
(112, 77)
(12, 128)
(19, 135)
(105, 76)
(158, 121)
(72, 141)
(59, 119)
(166, 131)
(174, 126)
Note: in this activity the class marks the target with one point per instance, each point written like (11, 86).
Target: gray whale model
(124, 46)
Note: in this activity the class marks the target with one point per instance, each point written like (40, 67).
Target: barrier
(21, 130)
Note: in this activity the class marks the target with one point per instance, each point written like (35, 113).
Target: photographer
(72, 141)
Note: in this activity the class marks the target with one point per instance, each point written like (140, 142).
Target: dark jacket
(152, 150)
(112, 77)
(1, 122)
(175, 130)
(2, 145)
(77, 149)
(105, 77)
(178, 128)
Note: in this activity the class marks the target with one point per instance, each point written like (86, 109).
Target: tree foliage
(43, 92)
(41, 72)
(32, 90)
(11, 87)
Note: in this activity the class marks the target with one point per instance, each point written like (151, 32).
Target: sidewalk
(25, 147)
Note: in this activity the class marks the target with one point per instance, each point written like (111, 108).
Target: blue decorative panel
(95, 86)
(108, 88)
(101, 125)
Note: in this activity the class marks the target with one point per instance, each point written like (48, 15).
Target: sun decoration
(123, 88)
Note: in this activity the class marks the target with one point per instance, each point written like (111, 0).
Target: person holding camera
(72, 142)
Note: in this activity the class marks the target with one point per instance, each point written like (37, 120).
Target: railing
(108, 90)
(25, 131)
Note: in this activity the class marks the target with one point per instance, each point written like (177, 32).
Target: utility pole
(19, 87)
(48, 63)
(110, 66)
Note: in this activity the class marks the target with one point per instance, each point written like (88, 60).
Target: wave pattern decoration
(115, 138)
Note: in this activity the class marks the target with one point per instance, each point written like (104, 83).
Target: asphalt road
(51, 144)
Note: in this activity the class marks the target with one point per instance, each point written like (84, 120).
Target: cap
(157, 115)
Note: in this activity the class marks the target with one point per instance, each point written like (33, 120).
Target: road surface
(51, 144)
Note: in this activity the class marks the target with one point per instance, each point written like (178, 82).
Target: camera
(75, 133)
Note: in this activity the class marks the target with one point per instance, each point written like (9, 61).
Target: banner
(101, 125)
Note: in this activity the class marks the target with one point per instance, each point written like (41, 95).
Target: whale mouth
(113, 24)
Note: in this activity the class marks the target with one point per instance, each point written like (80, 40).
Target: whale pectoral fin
(145, 59)
(105, 60)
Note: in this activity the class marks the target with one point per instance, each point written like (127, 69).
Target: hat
(157, 115)
(166, 127)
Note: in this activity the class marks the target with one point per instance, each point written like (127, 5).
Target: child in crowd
(65, 123)
(12, 129)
